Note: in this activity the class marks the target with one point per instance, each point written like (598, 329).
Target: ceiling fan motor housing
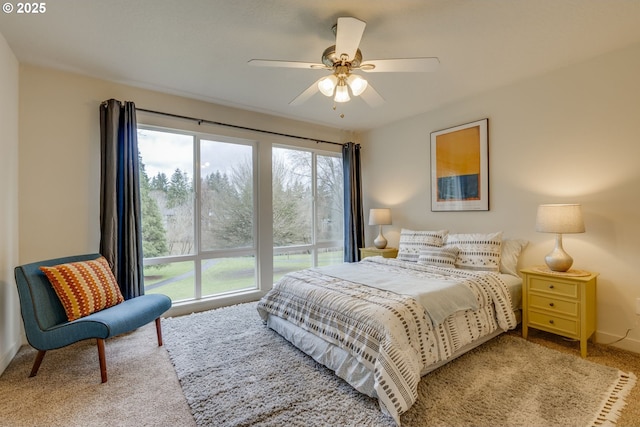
(330, 58)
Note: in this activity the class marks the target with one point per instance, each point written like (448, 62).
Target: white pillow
(511, 249)
(441, 257)
(480, 252)
(412, 241)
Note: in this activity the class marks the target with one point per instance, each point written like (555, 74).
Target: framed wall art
(460, 168)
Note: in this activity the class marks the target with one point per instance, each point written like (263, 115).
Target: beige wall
(10, 322)
(572, 135)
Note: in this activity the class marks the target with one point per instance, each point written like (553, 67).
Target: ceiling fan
(342, 59)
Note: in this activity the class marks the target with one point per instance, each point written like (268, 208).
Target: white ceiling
(200, 48)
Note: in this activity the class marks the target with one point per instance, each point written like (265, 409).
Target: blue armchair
(45, 320)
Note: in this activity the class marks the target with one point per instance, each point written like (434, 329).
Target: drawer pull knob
(551, 304)
(551, 321)
(550, 286)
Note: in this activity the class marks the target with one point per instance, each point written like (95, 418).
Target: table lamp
(560, 219)
(380, 217)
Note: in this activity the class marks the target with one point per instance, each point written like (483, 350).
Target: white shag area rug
(234, 371)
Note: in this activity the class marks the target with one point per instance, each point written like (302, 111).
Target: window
(196, 247)
(202, 203)
(307, 192)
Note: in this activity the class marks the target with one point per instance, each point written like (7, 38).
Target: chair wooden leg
(37, 362)
(102, 359)
(159, 332)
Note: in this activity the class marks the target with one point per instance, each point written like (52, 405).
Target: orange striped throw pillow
(84, 287)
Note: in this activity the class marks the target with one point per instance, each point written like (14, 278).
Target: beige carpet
(143, 389)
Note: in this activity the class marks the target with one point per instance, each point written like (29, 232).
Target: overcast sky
(166, 152)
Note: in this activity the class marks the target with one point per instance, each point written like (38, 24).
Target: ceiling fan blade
(286, 64)
(372, 97)
(308, 93)
(348, 34)
(407, 65)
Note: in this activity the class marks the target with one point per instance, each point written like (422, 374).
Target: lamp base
(558, 259)
(380, 241)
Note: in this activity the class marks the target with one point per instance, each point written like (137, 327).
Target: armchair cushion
(84, 287)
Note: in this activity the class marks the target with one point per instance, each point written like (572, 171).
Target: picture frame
(460, 168)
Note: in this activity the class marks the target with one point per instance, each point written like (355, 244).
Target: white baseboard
(8, 356)
(629, 344)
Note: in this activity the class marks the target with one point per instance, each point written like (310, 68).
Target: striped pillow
(84, 287)
(440, 257)
(477, 251)
(412, 241)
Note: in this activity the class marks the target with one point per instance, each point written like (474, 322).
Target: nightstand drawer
(566, 327)
(555, 287)
(569, 308)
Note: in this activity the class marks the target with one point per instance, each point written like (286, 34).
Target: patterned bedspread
(391, 334)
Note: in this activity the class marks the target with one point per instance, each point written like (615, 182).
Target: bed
(383, 323)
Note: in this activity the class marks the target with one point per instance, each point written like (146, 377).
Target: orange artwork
(458, 164)
(459, 171)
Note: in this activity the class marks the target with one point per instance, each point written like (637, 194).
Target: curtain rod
(211, 122)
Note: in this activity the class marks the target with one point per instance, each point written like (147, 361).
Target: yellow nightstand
(373, 251)
(560, 303)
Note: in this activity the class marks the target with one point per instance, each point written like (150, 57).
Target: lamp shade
(342, 93)
(560, 218)
(379, 216)
(357, 84)
(328, 84)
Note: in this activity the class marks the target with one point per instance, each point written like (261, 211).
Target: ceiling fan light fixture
(342, 93)
(357, 84)
(327, 85)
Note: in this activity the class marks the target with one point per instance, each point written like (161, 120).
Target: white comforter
(389, 332)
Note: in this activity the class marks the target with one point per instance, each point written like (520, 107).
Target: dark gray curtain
(353, 217)
(120, 215)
